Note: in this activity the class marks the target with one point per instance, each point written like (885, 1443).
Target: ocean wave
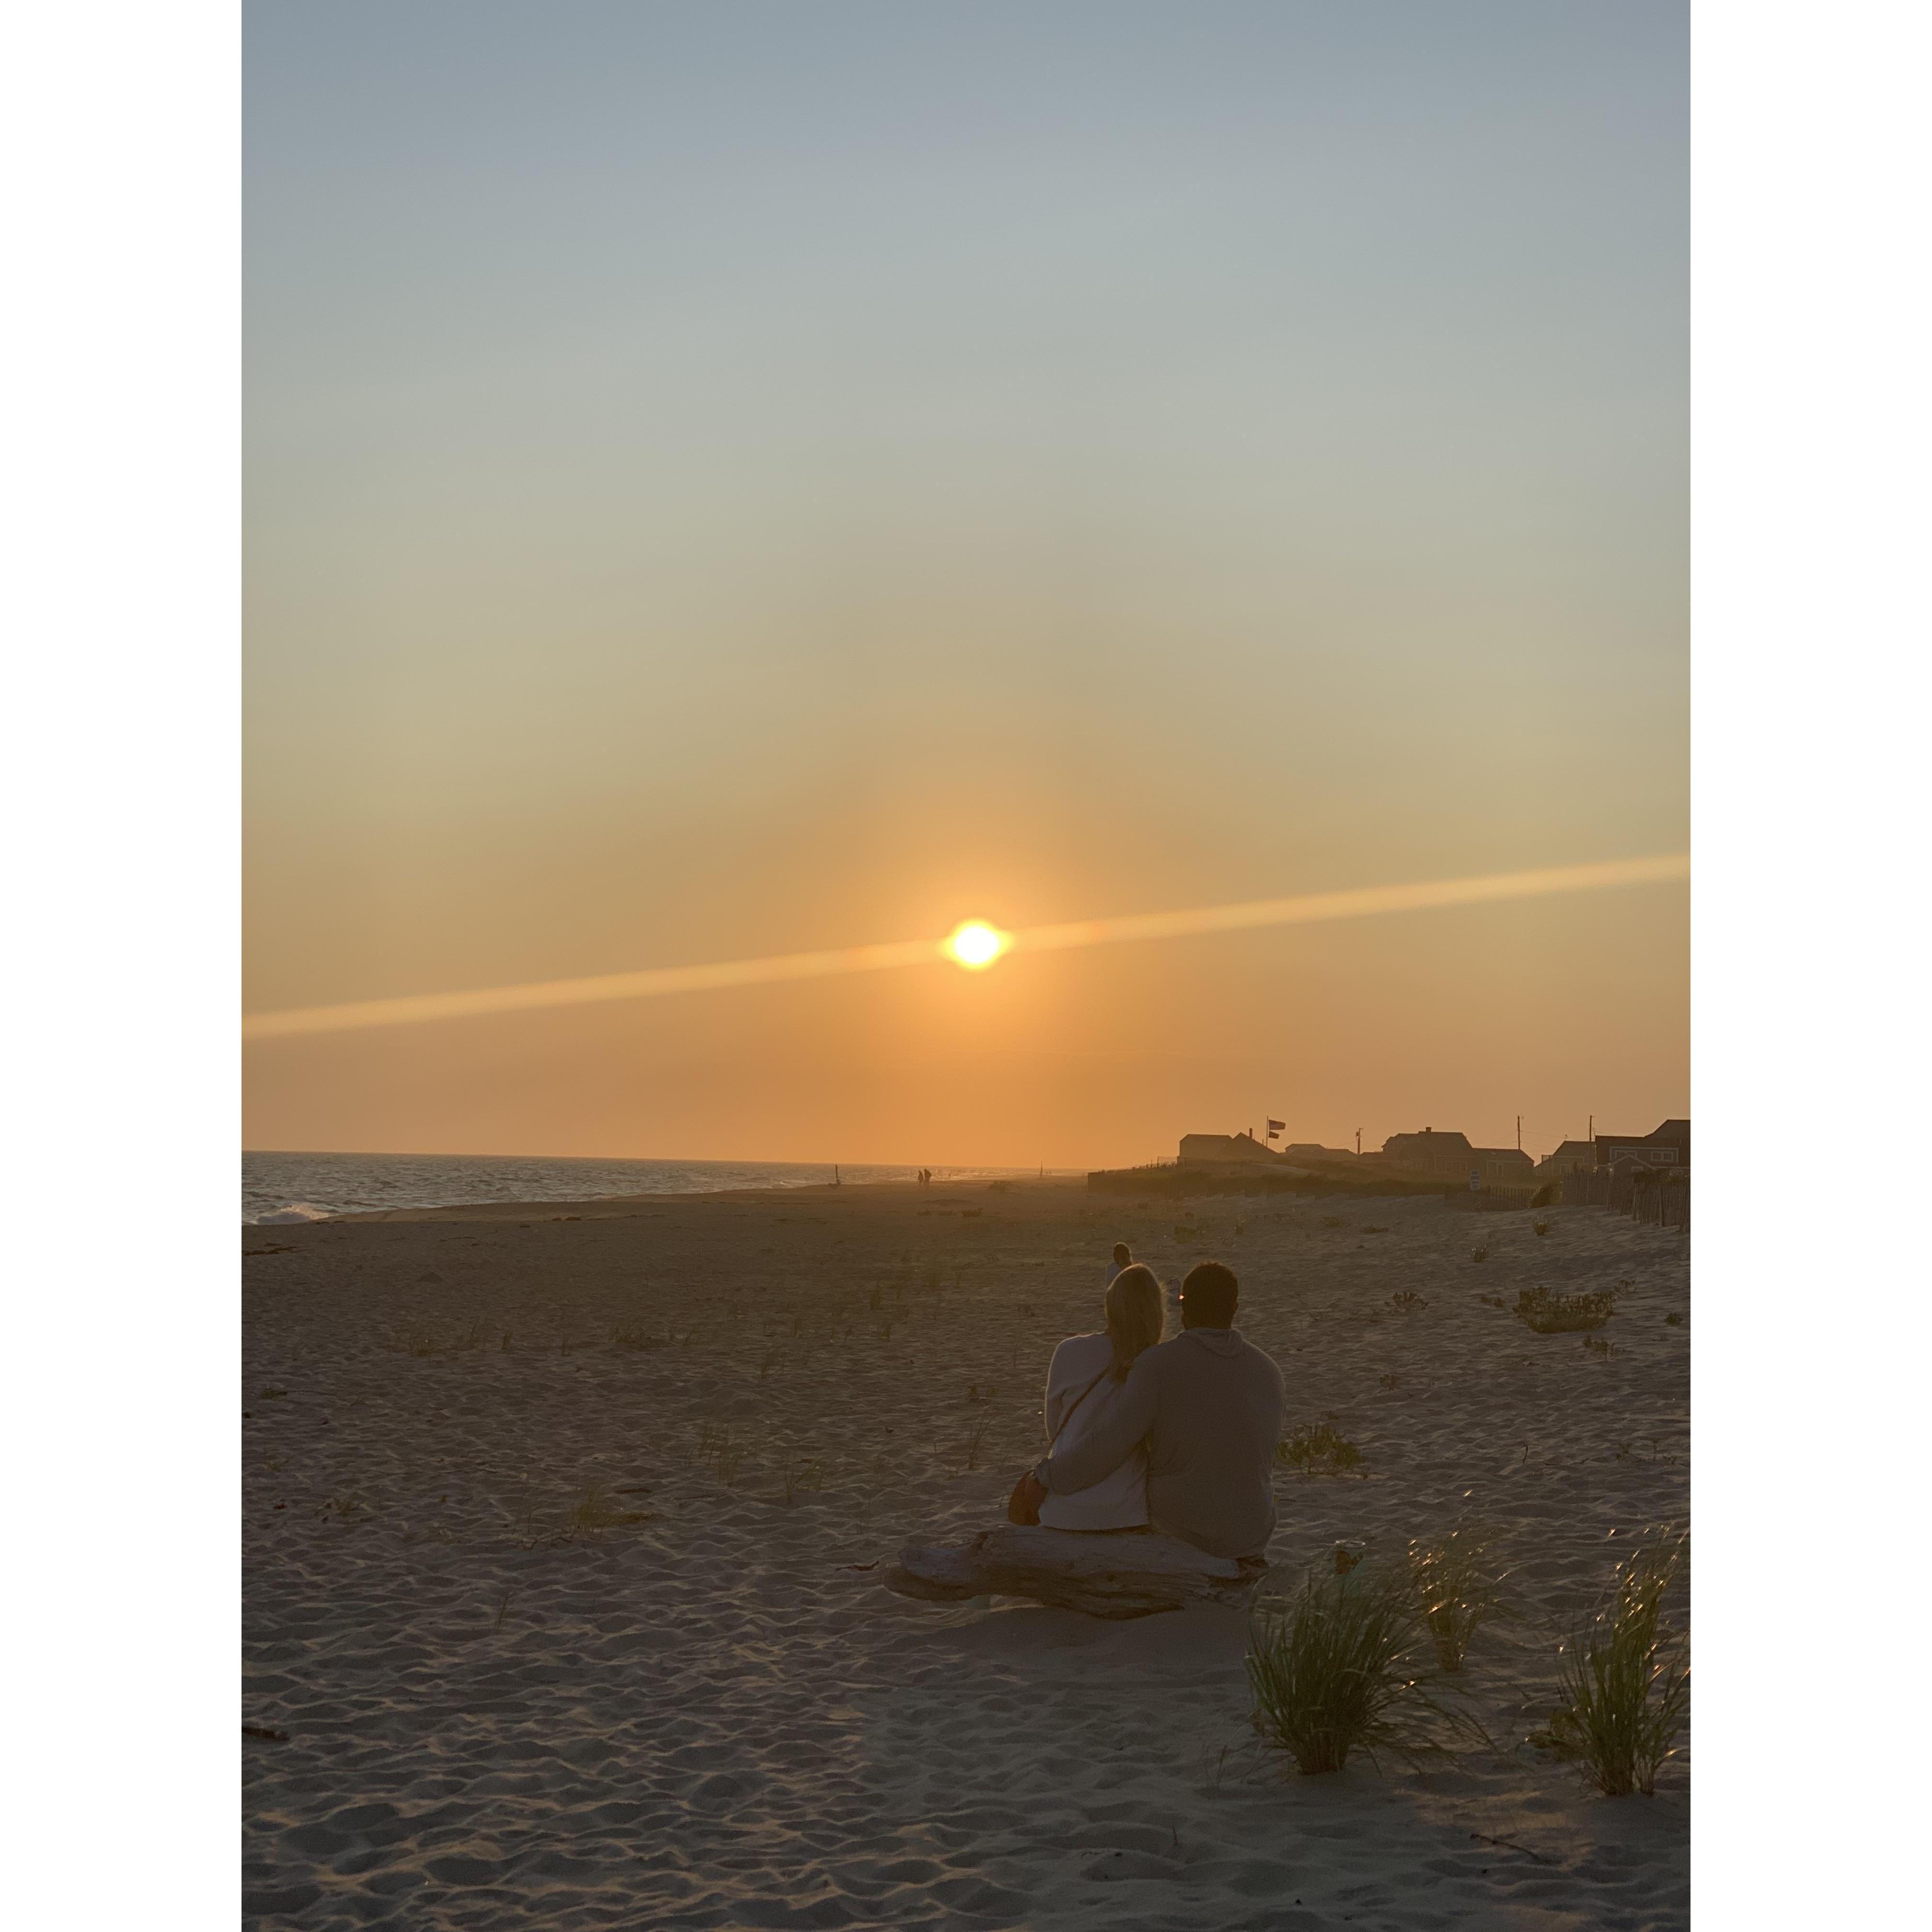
(296, 1211)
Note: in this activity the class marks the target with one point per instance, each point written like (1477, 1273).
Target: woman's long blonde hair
(1135, 1316)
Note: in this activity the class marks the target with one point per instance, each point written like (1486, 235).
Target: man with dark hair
(1208, 1406)
(1123, 1257)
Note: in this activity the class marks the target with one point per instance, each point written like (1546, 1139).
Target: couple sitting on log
(1178, 1436)
(1156, 1489)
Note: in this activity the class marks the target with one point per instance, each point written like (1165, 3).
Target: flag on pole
(1275, 1127)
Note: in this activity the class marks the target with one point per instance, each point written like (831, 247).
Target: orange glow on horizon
(974, 944)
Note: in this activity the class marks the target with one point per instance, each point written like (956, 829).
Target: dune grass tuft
(638, 1339)
(596, 1510)
(1317, 1449)
(1342, 1666)
(1624, 1680)
(1459, 1589)
(1549, 1314)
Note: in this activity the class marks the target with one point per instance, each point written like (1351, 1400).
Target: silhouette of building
(1227, 1151)
(1571, 1157)
(1667, 1146)
(1450, 1156)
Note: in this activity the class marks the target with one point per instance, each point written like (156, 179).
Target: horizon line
(1308, 908)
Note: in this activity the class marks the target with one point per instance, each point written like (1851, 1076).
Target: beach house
(1667, 1146)
(1450, 1156)
(1571, 1157)
(1227, 1151)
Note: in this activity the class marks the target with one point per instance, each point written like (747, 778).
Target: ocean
(312, 1186)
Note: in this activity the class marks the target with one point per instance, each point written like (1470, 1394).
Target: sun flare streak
(975, 944)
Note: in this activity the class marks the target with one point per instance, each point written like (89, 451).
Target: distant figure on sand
(1087, 1373)
(1123, 1257)
(1205, 1409)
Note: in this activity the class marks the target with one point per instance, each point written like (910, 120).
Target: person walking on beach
(1123, 1258)
(1207, 1406)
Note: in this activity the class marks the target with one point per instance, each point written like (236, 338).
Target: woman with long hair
(1086, 1372)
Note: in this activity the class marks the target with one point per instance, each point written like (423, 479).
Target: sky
(727, 479)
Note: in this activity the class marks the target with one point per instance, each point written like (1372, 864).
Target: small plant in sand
(803, 1475)
(1459, 1589)
(719, 1448)
(1624, 1680)
(1331, 1221)
(1539, 1227)
(1479, 1254)
(1674, 1321)
(1598, 1345)
(1317, 1449)
(974, 1444)
(1390, 1380)
(1341, 1666)
(1548, 1314)
(1492, 1300)
(597, 1510)
(1408, 1301)
(636, 1339)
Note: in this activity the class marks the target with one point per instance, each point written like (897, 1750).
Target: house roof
(1672, 1133)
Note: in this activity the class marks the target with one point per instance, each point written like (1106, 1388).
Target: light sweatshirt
(1208, 1405)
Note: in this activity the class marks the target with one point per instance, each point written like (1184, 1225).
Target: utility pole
(1519, 1133)
(1358, 1140)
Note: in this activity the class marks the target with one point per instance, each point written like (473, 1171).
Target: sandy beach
(563, 1526)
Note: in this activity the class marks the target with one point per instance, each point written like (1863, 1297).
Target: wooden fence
(1663, 1200)
(1488, 1200)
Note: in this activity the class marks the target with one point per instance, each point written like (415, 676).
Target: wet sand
(560, 1529)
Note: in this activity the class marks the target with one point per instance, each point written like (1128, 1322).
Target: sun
(975, 944)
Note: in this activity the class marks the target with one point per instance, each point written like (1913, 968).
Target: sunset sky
(728, 479)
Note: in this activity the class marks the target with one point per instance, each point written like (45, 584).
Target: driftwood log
(1128, 1573)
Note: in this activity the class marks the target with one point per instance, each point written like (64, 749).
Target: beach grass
(1317, 1449)
(1625, 1679)
(1548, 1314)
(1340, 1667)
(1460, 1590)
